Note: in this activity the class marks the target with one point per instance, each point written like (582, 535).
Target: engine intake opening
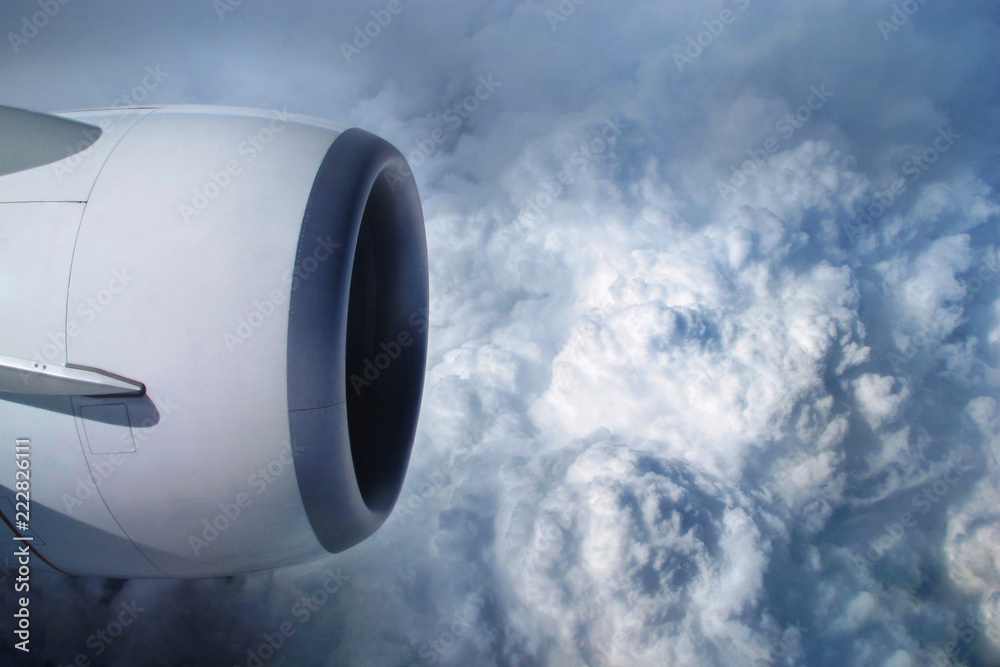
(386, 341)
(357, 338)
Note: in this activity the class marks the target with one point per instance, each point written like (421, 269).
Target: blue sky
(715, 326)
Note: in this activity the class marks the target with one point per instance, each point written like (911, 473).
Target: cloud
(665, 422)
(622, 556)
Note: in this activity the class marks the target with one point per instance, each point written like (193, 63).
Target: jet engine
(213, 337)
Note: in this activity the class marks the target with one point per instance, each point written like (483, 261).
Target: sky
(715, 328)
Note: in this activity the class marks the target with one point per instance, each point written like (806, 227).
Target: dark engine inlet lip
(352, 445)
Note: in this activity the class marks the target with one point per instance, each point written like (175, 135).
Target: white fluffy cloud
(622, 556)
(665, 422)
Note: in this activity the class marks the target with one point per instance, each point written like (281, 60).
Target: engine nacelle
(213, 337)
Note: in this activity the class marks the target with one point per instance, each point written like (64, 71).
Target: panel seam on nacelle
(81, 438)
(318, 407)
(83, 214)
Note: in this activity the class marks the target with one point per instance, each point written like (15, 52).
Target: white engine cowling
(213, 337)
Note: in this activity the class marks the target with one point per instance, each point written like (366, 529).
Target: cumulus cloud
(623, 556)
(713, 379)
